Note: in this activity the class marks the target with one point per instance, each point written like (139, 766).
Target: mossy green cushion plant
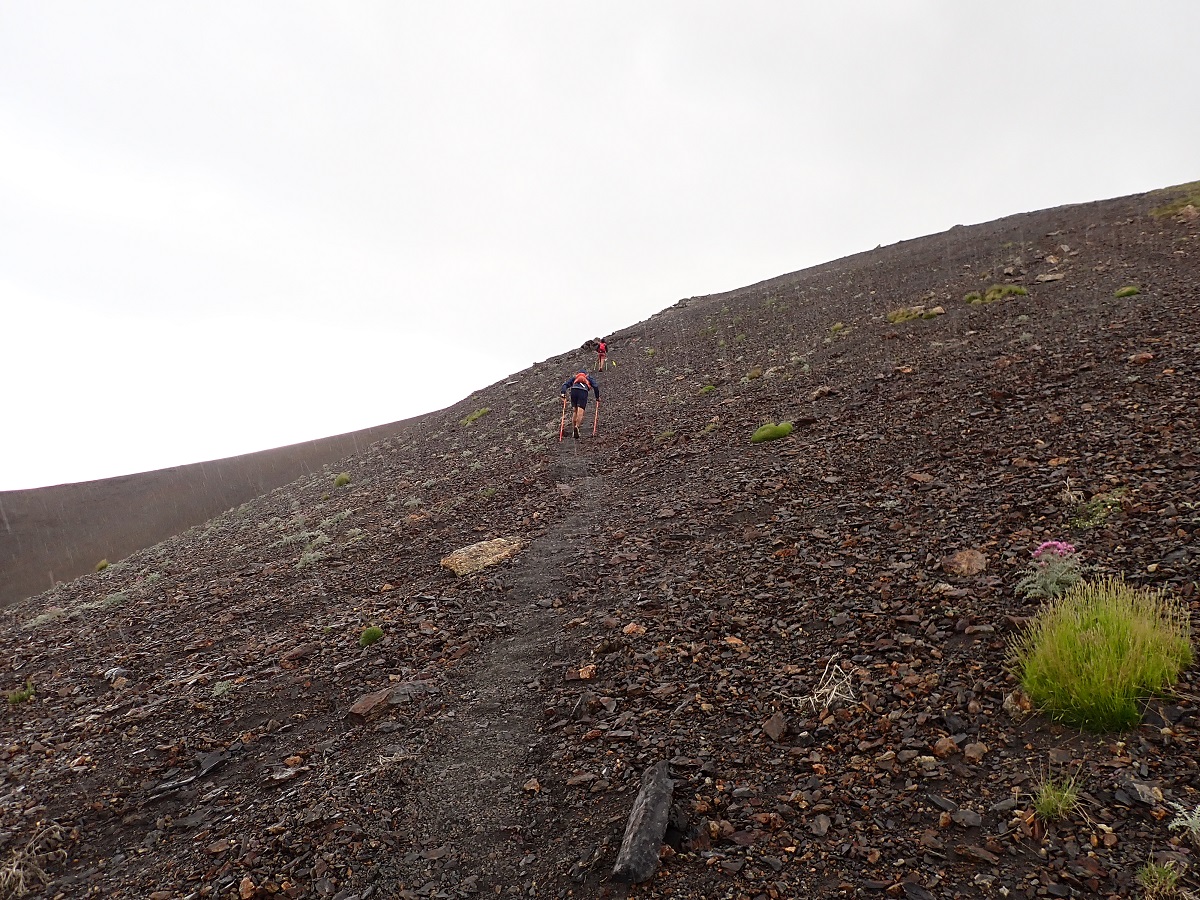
(994, 293)
(771, 432)
(475, 416)
(21, 695)
(341, 479)
(102, 565)
(1130, 290)
(1090, 656)
(370, 636)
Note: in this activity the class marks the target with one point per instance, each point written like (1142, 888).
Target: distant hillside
(59, 533)
(810, 635)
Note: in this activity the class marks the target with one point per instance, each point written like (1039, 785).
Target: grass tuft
(708, 389)
(771, 432)
(1159, 881)
(1055, 798)
(1130, 290)
(102, 565)
(475, 416)
(21, 695)
(370, 636)
(341, 479)
(1088, 657)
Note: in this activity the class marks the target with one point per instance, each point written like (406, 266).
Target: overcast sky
(231, 226)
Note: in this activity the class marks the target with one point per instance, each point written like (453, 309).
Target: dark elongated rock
(638, 858)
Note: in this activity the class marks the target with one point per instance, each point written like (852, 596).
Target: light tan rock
(480, 556)
(964, 563)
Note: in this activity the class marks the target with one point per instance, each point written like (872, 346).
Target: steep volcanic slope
(192, 732)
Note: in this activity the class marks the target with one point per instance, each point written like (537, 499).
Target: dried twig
(22, 873)
(833, 686)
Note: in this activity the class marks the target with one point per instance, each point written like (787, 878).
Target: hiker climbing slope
(601, 355)
(577, 387)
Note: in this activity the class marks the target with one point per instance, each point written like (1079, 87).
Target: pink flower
(1058, 548)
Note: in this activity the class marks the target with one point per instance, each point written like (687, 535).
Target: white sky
(231, 226)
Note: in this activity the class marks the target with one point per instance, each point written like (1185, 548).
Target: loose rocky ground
(205, 723)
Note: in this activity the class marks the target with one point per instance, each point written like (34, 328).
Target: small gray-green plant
(475, 416)
(341, 479)
(369, 636)
(1186, 819)
(664, 436)
(23, 694)
(1130, 290)
(222, 689)
(771, 432)
(1054, 568)
(488, 492)
(1159, 881)
(1055, 798)
(309, 558)
(709, 428)
(650, 351)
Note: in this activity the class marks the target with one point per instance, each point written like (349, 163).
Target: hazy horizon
(234, 229)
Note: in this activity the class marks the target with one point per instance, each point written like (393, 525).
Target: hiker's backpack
(582, 379)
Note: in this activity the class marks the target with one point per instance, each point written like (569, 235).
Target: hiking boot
(576, 431)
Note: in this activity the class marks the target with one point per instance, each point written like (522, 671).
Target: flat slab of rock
(480, 556)
(370, 705)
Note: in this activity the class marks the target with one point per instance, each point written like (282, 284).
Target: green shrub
(1088, 657)
(649, 351)
(370, 636)
(708, 389)
(973, 297)
(102, 565)
(1130, 290)
(771, 432)
(341, 479)
(21, 695)
(1159, 881)
(1055, 798)
(475, 416)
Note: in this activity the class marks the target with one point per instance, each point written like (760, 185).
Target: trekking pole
(596, 420)
(563, 421)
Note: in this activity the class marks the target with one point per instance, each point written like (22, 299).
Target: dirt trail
(470, 807)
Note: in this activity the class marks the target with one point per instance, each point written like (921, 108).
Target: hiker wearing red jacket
(601, 354)
(578, 386)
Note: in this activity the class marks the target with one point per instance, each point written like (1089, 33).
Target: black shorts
(579, 397)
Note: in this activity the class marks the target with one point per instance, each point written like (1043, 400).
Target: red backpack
(582, 378)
